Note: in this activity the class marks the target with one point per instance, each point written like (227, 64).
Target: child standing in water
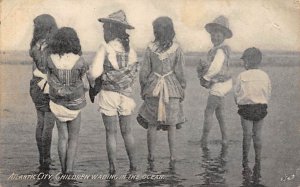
(44, 27)
(252, 93)
(162, 83)
(116, 66)
(68, 83)
(214, 74)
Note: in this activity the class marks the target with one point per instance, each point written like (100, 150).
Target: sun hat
(221, 23)
(118, 17)
(253, 55)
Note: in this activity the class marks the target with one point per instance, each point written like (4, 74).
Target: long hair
(119, 31)
(164, 32)
(44, 27)
(65, 40)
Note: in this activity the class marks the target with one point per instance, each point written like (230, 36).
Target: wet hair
(164, 32)
(119, 31)
(44, 28)
(65, 40)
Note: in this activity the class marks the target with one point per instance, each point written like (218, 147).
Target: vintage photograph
(138, 93)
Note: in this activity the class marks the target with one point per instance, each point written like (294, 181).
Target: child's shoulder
(253, 74)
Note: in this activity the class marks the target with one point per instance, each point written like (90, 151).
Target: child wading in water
(162, 87)
(214, 74)
(116, 66)
(44, 27)
(252, 92)
(68, 83)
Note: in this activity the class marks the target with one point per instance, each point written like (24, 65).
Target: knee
(111, 130)
(256, 139)
(125, 131)
(208, 112)
(247, 135)
(62, 137)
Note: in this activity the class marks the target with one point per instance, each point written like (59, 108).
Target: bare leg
(49, 121)
(125, 126)
(151, 142)
(73, 133)
(39, 135)
(62, 143)
(257, 128)
(247, 134)
(171, 140)
(220, 114)
(110, 123)
(208, 117)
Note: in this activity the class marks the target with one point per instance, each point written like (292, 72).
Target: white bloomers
(113, 103)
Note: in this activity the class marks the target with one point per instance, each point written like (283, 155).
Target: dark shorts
(40, 100)
(253, 112)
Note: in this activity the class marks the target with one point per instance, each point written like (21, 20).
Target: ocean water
(194, 167)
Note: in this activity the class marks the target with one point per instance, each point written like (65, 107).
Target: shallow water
(194, 167)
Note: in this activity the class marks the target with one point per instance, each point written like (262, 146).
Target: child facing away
(252, 93)
(116, 67)
(44, 27)
(162, 83)
(214, 74)
(68, 84)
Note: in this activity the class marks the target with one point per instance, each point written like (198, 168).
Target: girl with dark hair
(68, 83)
(44, 27)
(116, 66)
(162, 87)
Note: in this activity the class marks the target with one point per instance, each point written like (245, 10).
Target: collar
(66, 61)
(115, 46)
(153, 47)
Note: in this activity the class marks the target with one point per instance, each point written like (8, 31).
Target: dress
(162, 87)
(117, 71)
(66, 75)
(39, 88)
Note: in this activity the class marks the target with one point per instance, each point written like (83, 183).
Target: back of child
(252, 93)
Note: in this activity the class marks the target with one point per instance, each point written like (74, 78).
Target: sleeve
(39, 55)
(269, 88)
(96, 68)
(237, 88)
(86, 83)
(179, 68)
(145, 69)
(216, 65)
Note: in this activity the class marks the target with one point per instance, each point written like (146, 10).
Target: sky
(269, 25)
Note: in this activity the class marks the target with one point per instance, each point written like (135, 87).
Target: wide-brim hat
(220, 23)
(118, 17)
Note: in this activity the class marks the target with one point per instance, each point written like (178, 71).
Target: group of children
(61, 77)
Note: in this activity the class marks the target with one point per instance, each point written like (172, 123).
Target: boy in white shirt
(214, 74)
(252, 92)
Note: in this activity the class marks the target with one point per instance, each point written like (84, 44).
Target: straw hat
(118, 17)
(220, 23)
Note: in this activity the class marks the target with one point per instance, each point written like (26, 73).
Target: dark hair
(65, 40)
(253, 56)
(119, 31)
(44, 27)
(164, 32)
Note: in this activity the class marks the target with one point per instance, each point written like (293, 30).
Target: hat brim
(211, 27)
(107, 20)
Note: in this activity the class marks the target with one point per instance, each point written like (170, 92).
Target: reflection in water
(214, 168)
(171, 179)
(251, 178)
